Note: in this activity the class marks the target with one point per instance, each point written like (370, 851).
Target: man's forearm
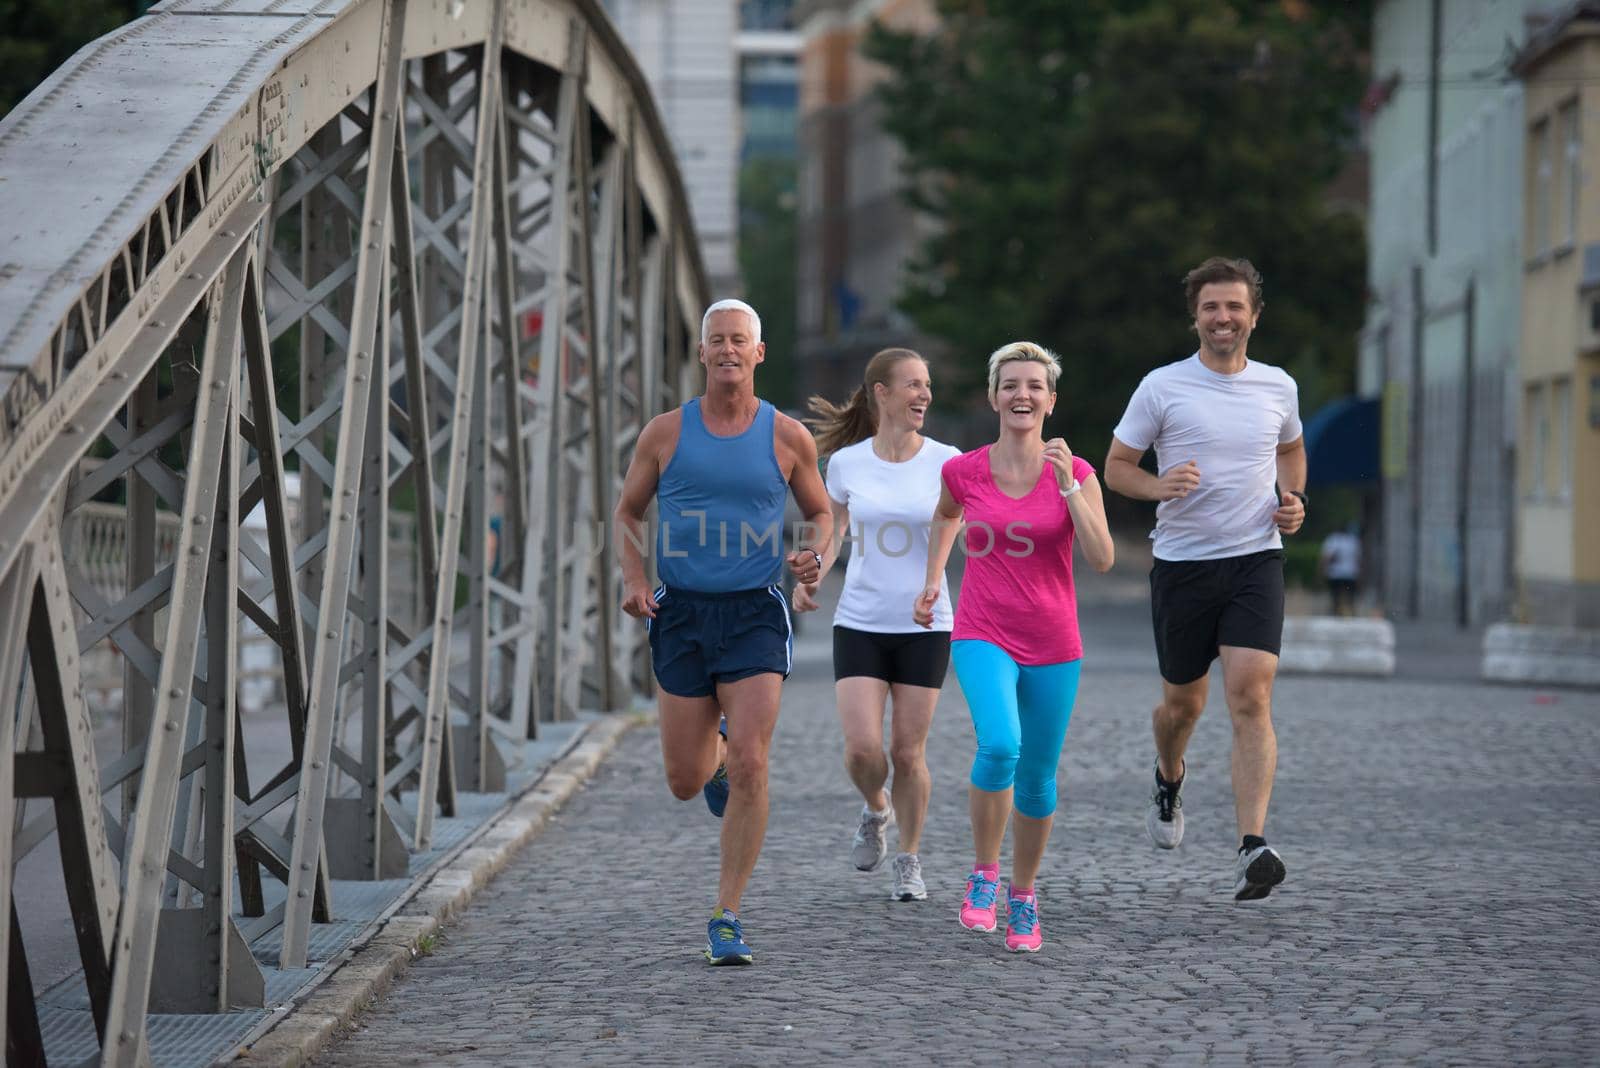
(630, 535)
(1292, 470)
(821, 525)
(1133, 481)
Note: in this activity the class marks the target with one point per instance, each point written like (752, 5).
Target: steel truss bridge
(282, 277)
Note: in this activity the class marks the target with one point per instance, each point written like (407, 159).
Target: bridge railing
(336, 320)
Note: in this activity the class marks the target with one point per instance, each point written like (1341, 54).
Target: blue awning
(1342, 442)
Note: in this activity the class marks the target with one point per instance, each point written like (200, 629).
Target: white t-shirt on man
(1231, 427)
(891, 513)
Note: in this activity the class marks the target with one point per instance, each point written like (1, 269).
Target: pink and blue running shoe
(1022, 924)
(978, 907)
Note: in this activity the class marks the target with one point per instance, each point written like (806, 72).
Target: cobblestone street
(1440, 839)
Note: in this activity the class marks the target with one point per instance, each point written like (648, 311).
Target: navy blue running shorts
(698, 640)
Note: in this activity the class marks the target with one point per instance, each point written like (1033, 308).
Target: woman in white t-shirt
(883, 479)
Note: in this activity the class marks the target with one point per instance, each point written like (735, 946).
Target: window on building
(1536, 417)
(1539, 225)
(766, 14)
(1572, 168)
(1561, 432)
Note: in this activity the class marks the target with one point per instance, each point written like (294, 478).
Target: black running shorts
(1200, 605)
(919, 658)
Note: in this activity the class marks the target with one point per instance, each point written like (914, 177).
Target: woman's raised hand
(1059, 456)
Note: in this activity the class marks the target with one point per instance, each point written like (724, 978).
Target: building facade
(854, 232)
(687, 50)
(769, 79)
(1558, 483)
(1445, 291)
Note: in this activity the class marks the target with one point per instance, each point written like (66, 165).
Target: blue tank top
(719, 508)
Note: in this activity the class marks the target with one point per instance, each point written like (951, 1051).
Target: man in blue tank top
(720, 469)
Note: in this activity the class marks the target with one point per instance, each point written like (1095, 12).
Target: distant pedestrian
(1340, 564)
(883, 483)
(720, 469)
(1015, 643)
(1225, 429)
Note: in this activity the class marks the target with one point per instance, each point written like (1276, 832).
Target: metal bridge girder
(467, 228)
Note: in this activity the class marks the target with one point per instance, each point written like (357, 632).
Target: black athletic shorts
(919, 658)
(1199, 605)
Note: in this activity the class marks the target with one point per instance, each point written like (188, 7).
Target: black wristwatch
(1304, 500)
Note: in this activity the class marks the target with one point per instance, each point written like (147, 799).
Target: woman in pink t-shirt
(1015, 646)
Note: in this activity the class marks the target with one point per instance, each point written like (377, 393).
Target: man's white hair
(730, 304)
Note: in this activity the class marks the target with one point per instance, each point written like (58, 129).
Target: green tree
(37, 36)
(1081, 155)
(767, 262)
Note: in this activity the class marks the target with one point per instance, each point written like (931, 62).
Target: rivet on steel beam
(316, 763)
(156, 324)
(300, 893)
(175, 692)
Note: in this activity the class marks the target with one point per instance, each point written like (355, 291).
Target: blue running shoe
(725, 942)
(716, 787)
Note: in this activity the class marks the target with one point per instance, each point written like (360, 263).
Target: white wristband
(1070, 490)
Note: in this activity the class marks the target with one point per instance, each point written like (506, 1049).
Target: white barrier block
(1332, 645)
(1558, 656)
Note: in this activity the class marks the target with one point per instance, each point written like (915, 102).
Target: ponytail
(839, 425)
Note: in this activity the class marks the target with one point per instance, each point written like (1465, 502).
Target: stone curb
(311, 1022)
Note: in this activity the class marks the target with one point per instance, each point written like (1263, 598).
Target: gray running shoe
(908, 884)
(1164, 818)
(871, 843)
(1258, 870)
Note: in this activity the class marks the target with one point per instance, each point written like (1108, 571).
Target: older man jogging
(720, 468)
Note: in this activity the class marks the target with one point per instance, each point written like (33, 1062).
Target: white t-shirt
(1341, 555)
(1231, 427)
(891, 512)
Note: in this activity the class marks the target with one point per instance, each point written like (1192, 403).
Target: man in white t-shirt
(1231, 478)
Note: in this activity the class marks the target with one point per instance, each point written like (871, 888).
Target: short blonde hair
(1022, 352)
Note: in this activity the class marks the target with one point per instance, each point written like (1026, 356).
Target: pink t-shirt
(1017, 591)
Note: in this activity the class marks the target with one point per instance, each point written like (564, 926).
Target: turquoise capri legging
(1020, 713)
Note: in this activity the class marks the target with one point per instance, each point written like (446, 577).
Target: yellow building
(1558, 485)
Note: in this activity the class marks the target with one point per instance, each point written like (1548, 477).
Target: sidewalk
(1439, 906)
